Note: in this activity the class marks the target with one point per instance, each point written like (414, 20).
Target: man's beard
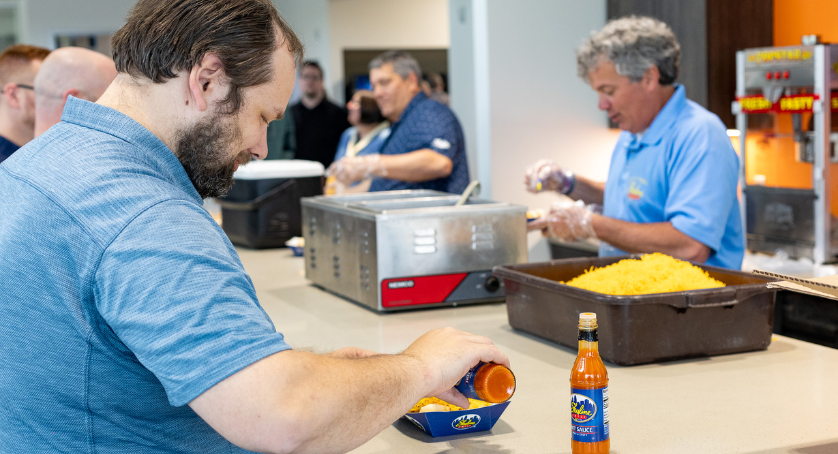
(204, 151)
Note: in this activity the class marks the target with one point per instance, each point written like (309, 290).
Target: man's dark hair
(312, 64)
(370, 112)
(162, 38)
(17, 57)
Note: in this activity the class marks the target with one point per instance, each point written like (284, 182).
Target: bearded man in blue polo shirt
(129, 323)
(672, 184)
(426, 147)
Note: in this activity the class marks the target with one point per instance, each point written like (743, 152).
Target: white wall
(463, 84)
(310, 21)
(384, 24)
(537, 106)
(41, 20)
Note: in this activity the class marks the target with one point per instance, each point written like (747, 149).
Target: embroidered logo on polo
(440, 144)
(636, 188)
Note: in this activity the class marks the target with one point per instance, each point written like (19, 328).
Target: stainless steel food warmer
(400, 250)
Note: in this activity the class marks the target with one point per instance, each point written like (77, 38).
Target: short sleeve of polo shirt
(436, 129)
(181, 301)
(703, 180)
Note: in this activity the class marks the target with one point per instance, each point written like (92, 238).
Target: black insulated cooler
(262, 210)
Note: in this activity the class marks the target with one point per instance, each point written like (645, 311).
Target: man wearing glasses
(318, 122)
(18, 66)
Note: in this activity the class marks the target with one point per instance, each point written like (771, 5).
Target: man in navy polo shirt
(672, 184)
(426, 148)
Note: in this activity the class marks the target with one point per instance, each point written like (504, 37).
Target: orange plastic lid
(496, 384)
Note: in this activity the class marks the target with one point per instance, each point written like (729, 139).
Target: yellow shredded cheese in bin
(448, 407)
(652, 273)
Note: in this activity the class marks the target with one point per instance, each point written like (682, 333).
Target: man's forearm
(415, 166)
(588, 191)
(304, 402)
(649, 237)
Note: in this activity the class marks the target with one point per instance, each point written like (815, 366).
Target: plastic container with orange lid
(488, 382)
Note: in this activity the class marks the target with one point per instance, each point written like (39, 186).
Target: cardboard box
(826, 287)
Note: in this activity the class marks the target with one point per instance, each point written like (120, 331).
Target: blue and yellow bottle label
(589, 414)
(466, 384)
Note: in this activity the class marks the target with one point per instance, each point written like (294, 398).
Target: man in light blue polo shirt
(129, 324)
(672, 184)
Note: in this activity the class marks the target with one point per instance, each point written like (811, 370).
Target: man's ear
(413, 80)
(207, 82)
(651, 78)
(10, 95)
(74, 93)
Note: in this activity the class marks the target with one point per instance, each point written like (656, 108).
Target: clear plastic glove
(546, 175)
(567, 221)
(348, 170)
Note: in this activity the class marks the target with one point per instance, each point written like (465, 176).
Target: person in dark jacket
(318, 122)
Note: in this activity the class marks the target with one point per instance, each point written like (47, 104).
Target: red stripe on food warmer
(419, 290)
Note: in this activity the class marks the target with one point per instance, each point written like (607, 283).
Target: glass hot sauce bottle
(488, 382)
(589, 393)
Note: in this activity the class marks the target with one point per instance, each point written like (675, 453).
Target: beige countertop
(782, 400)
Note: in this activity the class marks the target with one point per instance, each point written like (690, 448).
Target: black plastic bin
(640, 329)
(262, 210)
(809, 318)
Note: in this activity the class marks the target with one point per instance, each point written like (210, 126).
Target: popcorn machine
(788, 171)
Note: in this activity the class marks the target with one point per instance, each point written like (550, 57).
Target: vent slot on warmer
(424, 241)
(482, 237)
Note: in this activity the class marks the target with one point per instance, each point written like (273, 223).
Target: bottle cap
(587, 320)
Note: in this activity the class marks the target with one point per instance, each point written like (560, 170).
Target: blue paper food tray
(297, 250)
(444, 423)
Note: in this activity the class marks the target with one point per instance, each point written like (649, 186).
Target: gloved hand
(567, 221)
(348, 170)
(546, 175)
(333, 186)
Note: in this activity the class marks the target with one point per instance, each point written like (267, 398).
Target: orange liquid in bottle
(589, 373)
(488, 382)
(494, 383)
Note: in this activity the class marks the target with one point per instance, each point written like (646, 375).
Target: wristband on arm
(569, 183)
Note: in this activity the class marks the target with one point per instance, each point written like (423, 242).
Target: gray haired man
(673, 178)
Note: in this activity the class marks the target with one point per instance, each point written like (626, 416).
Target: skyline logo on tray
(582, 408)
(466, 422)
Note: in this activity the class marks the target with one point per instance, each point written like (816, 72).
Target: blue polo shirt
(682, 170)
(122, 299)
(7, 147)
(426, 123)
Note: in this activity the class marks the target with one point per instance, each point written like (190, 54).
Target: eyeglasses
(26, 87)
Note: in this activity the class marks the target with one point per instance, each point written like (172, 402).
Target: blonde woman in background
(367, 135)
